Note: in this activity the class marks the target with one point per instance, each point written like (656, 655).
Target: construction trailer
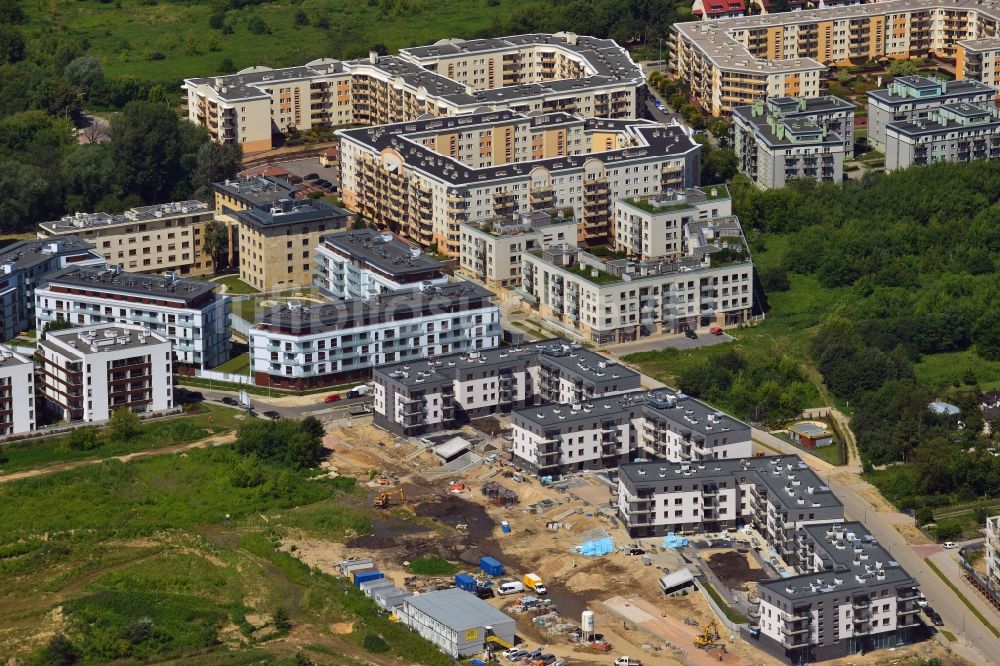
(459, 623)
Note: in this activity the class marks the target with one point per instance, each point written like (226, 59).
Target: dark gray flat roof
(25, 254)
(291, 211)
(558, 415)
(68, 223)
(690, 413)
(383, 251)
(113, 279)
(961, 88)
(105, 337)
(793, 125)
(257, 190)
(457, 609)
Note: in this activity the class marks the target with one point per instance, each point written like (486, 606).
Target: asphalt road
(704, 339)
(261, 404)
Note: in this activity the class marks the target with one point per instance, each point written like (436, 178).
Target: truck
(627, 661)
(358, 391)
(534, 582)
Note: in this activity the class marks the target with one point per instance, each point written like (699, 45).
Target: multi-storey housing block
(276, 242)
(598, 432)
(913, 98)
(17, 392)
(232, 196)
(655, 227)
(736, 61)
(618, 300)
(85, 374)
(850, 597)
(993, 552)
(22, 264)
(714, 9)
(423, 396)
(365, 262)
(165, 237)
(302, 347)
(786, 139)
(529, 73)
(978, 60)
(491, 249)
(188, 313)
(953, 132)
(423, 179)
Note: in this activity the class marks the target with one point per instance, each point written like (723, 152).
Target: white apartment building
(189, 313)
(164, 237)
(302, 347)
(612, 428)
(17, 392)
(529, 73)
(617, 300)
(423, 179)
(492, 249)
(85, 374)
(655, 227)
(365, 262)
(993, 552)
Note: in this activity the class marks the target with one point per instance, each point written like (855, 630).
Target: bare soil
(734, 570)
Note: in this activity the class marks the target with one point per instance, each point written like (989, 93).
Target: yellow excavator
(382, 500)
(708, 638)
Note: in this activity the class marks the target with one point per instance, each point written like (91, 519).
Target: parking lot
(308, 166)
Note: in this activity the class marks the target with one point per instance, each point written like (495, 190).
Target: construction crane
(708, 638)
(382, 499)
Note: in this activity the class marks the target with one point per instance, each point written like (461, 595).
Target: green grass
(206, 420)
(234, 285)
(124, 35)
(587, 273)
(238, 365)
(948, 372)
(731, 613)
(958, 593)
(947, 634)
(432, 565)
(831, 454)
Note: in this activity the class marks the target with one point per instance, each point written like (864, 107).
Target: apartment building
(146, 239)
(777, 495)
(22, 264)
(303, 347)
(85, 374)
(617, 300)
(914, 98)
(715, 9)
(188, 313)
(276, 242)
(441, 393)
(424, 179)
(992, 545)
(595, 432)
(978, 60)
(17, 392)
(231, 196)
(735, 61)
(365, 262)
(491, 249)
(787, 139)
(529, 73)
(954, 132)
(654, 227)
(850, 597)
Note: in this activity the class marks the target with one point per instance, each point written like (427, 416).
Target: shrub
(432, 565)
(374, 643)
(83, 439)
(124, 424)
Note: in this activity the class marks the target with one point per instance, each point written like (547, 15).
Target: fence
(63, 428)
(214, 376)
(976, 580)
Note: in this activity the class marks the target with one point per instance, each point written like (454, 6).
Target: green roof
(603, 277)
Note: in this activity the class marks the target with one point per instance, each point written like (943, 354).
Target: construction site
(603, 595)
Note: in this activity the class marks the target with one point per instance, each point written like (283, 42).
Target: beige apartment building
(147, 239)
(736, 61)
(529, 73)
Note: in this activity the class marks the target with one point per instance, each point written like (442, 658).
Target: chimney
(373, 57)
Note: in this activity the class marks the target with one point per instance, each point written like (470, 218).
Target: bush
(257, 26)
(374, 643)
(124, 425)
(432, 565)
(281, 620)
(287, 442)
(83, 439)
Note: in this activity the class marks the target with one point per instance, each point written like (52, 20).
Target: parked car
(936, 619)
(273, 415)
(333, 397)
(715, 330)
(547, 658)
(928, 611)
(485, 592)
(950, 544)
(691, 334)
(311, 176)
(232, 402)
(922, 601)
(510, 587)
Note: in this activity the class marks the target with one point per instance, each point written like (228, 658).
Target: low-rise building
(427, 395)
(17, 392)
(459, 623)
(600, 432)
(654, 227)
(276, 242)
(303, 346)
(850, 597)
(146, 239)
(189, 313)
(365, 262)
(22, 264)
(953, 132)
(85, 374)
(787, 138)
(913, 98)
(617, 300)
(492, 248)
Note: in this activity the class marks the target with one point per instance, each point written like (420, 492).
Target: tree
(281, 619)
(314, 427)
(89, 177)
(903, 68)
(83, 439)
(301, 18)
(59, 651)
(124, 424)
(12, 46)
(84, 72)
(214, 163)
(774, 279)
(986, 334)
(146, 150)
(11, 12)
(37, 192)
(227, 66)
(718, 165)
(257, 26)
(924, 516)
(217, 19)
(215, 242)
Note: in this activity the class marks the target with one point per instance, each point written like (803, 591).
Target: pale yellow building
(148, 239)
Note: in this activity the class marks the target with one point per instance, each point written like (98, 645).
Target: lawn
(234, 285)
(831, 454)
(237, 365)
(206, 420)
(953, 371)
(170, 40)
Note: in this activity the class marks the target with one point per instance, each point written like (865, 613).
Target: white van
(510, 587)
(950, 544)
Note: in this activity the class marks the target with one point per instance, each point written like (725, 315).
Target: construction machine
(708, 638)
(382, 500)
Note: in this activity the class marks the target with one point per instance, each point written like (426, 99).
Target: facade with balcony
(17, 392)
(953, 132)
(655, 227)
(189, 313)
(85, 374)
(993, 552)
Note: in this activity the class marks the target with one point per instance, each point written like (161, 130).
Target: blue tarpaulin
(596, 547)
(674, 541)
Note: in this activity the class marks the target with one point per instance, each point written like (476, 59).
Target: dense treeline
(152, 156)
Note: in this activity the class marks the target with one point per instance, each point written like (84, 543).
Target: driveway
(666, 342)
